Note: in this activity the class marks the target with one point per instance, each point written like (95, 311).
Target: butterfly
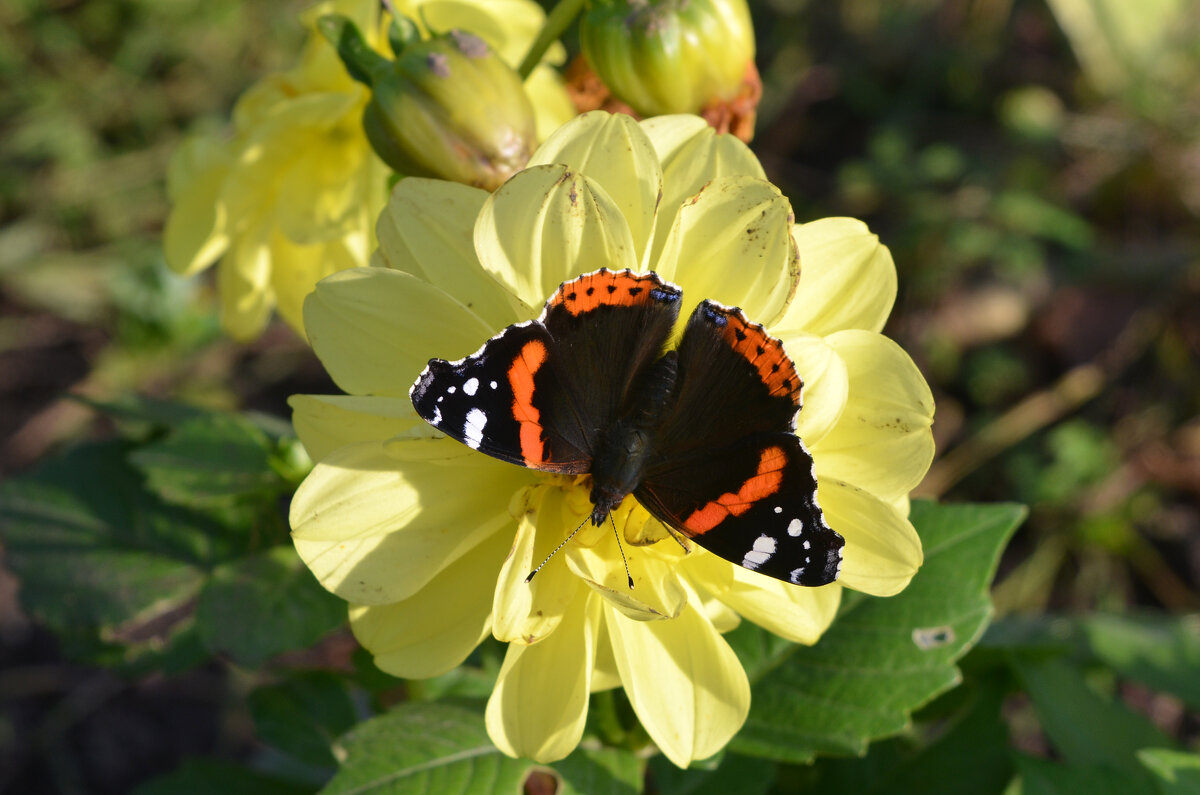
(703, 435)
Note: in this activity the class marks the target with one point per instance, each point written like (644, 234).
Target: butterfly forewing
(726, 468)
(540, 393)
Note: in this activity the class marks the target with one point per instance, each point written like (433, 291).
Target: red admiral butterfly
(702, 436)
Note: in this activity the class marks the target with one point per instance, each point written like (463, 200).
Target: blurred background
(1034, 166)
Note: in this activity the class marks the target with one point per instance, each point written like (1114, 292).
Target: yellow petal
(692, 155)
(427, 229)
(732, 243)
(799, 614)
(546, 225)
(375, 528)
(847, 278)
(326, 422)
(882, 550)
(656, 592)
(826, 384)
(552, 107)
(375, 329)
(883, 442)
(685, 684)
(605, 675)
(322, 187)
(433, 631)
(508, 26)
(195, 234)
(283, 136)
(539, 706)
(244, 284)
(296, 269)
(527, 612)
(611, 149)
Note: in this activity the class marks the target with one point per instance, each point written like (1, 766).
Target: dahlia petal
(605, 675)
(526, 612)
(244, 284)
(321, 190)
(376, 527)
(326, 422)
(552, 107)
(434, 630)
(883, 442)
(685, 683)
(799, 614)
(825, 384)
(195, 235)
(548, 224)
(426, 229)
(882, 549)
(692, 155)
(656, 593)
(282, 135)
(847, 278)
(374, 329)
(611, 149)
(539, 706)
(296, 269)
(732, 243)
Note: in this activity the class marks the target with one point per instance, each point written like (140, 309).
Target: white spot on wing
(764, 548)
(437, 416)
(778, 509)
(473, 428)
(492, 384)
(795, 527)
(471, 386)
(450, 390)
(797, 574)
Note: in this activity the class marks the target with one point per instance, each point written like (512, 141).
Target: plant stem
(560, 18)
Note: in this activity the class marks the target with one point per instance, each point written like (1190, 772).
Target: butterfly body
(702, 435)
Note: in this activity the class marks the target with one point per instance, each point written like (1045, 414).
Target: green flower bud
(447, 107)
(669, 56)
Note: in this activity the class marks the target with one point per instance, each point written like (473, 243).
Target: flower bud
(669, 56)
(447, 107)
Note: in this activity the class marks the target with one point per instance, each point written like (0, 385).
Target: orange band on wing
(610, 288)
(520, 378)
(765, 482)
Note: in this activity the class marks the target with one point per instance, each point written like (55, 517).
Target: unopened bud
(446, 107)
(669, 56)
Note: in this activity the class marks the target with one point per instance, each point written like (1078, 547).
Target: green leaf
(304, 715)
(425, 748)
(97, 555)
(943, 755)
(1084, 727)
(1043, 777)
(256, 607)
(600, 771)
(206, 776)
(735, 775)
(209, 459)
(1176, 772)
(882, 658)
(1161, 652)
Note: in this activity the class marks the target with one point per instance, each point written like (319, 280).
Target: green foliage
(422, 748)
(882, 658)
(123, 545)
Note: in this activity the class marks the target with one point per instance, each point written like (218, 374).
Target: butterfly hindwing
(753, 503)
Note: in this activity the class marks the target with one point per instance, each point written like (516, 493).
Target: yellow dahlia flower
(431, 542)
(293, 196)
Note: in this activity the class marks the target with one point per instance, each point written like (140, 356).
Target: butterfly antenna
(621, 549)
(562, 544)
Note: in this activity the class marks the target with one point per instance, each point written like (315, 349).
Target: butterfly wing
(540, 393)
(726, 468)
